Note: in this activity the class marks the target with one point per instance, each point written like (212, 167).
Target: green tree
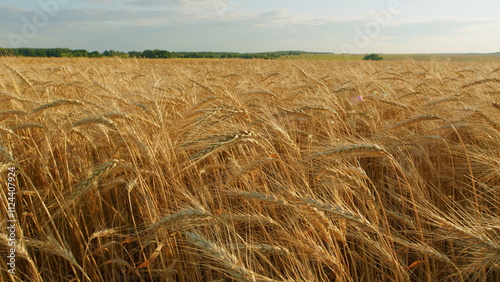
(67, 55)
(148, 54)
(95, 54)
(40, 53)
(80, 53)
(162, 54)
(113, 53)
(135, 54)
(373, 57)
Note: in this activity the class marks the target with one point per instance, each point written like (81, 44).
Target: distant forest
(153, 54)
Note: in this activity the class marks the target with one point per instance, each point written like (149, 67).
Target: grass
(238, 170)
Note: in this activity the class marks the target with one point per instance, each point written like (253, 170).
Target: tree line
(153, 54)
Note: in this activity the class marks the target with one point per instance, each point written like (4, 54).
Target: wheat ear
(27, 125)
(22, 252)
(480, 82)
(338, 211)
(101, 120)
(257, 196)
(13, 112)
(21, 76)
(51, 246)
(263, 248)
(6, 153)
(56, 104)
(357, 150)
(176, 217)
(82, 187)
(416, 120)
(228, 261)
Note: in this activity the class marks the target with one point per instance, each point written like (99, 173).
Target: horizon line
(276, 51)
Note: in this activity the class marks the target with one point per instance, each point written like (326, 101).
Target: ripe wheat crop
(232, 170)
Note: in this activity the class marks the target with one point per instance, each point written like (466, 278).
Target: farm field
(250, 170)
(473, 58)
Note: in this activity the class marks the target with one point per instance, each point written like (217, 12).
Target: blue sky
(356, 26)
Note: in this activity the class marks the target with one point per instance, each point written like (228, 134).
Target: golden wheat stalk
(389, 256)
(337, 211)
(249, 168)
(482, 81)
(493, 71)
(82, 187)
(343, 89)
(396, 104)
(252, 220)
(8, 130)
(259, 92)
(26, 126)
(14, 112)
(6, 153)
(225, 110)
(422, 249)
(103, 233)
(227, 260)
(242, 135)
(57, 104)
(257, 196)
(263, 249)
(92, 120)
(22, 252)
(399, 78)
(193, 110)
(355, 150)
(186, 215)
(443, 101)
(206, 87)
(51, 246)
(418, 119)
(310, 77)
(486, 118)
(315, 108)
(23, 78)
(103, 87)
(268, 76)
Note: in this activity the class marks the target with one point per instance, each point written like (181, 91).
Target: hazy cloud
(194, 25)
(105, 2)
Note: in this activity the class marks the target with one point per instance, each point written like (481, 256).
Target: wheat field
(251, 170)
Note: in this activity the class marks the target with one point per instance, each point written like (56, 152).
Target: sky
(355, 26)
